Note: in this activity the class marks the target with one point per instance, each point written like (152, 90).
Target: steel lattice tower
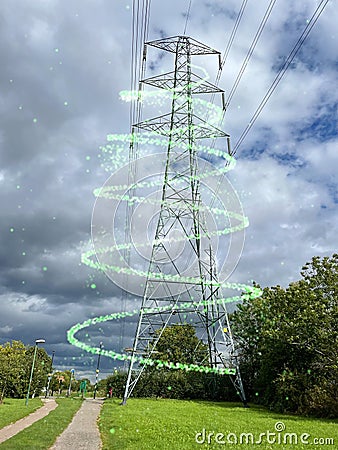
(182, 214)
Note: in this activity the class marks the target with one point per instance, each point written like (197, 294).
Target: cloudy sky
(63, 66)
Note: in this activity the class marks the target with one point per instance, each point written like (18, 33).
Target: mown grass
(43, 433)
(13, 409)
(172, 424)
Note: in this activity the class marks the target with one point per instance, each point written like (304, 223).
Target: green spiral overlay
(118, 193)
(250, 293)
(114, 156)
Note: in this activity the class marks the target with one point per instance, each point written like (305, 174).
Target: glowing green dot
(35, 120)
(11, 230)
(87, 158)
(18, 186)
(256, 394)
(65, 103)
(93, 286)
(23, 253)
(44, 268)
(112, 430)
(56, 50)
(169, 388)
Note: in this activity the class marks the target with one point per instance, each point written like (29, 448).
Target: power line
(282, 70)
(248, 56)
(233, 32)
(276, 81)
(187, 17)
(139, 35)
(224, 58)
(227, 49)
(251, 50)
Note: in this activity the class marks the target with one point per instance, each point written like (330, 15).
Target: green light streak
(114, 156)
(140, 273)
(103, 192)
(250, 292)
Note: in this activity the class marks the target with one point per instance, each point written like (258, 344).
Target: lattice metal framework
(183, 215)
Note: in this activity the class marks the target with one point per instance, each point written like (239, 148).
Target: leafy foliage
(15, 366)
(179, 343)
(288, 342)
(176, 343)
(61, 381)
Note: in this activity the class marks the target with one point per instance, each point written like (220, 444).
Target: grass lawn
(43, 433)
(172, 424)
(14, 409)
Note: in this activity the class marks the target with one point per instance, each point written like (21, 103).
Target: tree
(89, 386)
(179, 343)
(13, 369)
(115, 383)
(62, 380)
(15, 366)
(288, 342)
(58, 382)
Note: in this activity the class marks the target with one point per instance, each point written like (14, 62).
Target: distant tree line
(63, 383)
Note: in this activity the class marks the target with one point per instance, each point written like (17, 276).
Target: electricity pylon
(182, 266)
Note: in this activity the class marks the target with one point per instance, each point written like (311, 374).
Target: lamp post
(70, 382)
(49, 375)
(97, 369)
(37, 342)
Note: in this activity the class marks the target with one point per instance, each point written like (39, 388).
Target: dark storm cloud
(55, 112)
(62, 67)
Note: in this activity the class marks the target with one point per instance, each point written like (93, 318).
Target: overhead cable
(187, 17)
(283, 70)
(251, 50)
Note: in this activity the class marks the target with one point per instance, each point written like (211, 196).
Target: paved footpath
(14, 428)
(82, 433)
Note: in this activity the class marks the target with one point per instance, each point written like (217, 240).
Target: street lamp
(97, 369)
(50, 375)
(70, 382)
(37, 342)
